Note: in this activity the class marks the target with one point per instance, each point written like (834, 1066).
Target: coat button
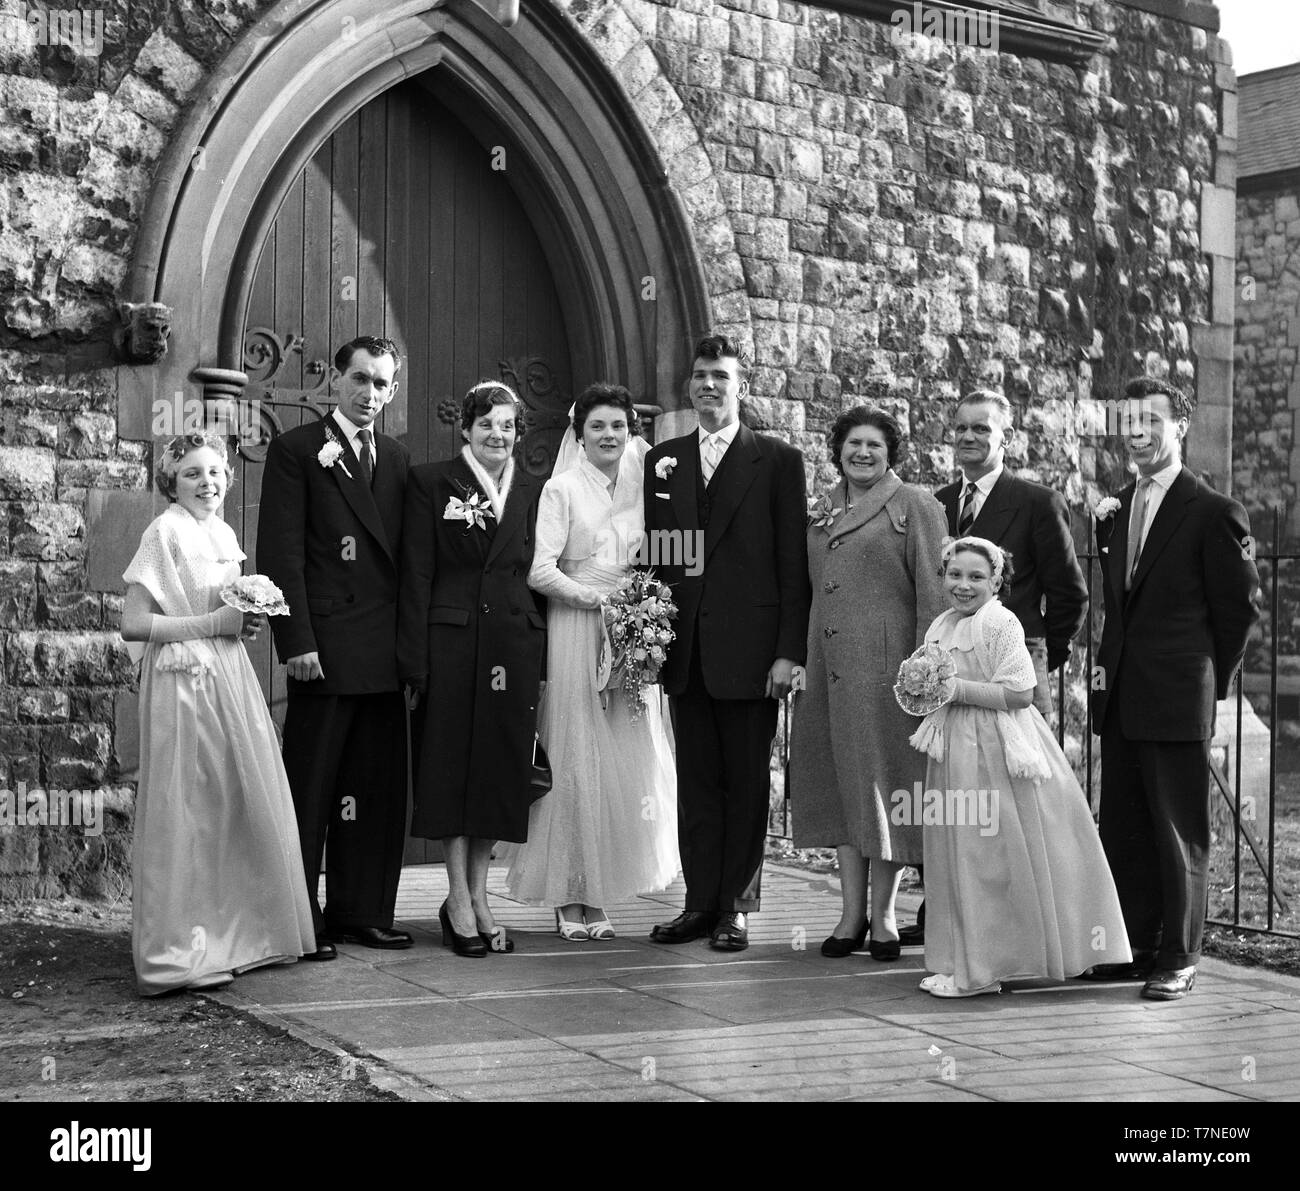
(835, 545)
(485, 609)
(829, 633)
(830, 587)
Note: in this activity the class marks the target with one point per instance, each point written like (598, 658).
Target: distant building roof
(1268, 121)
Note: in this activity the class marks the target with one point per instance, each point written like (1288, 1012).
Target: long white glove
(981, 694)
(224, 622)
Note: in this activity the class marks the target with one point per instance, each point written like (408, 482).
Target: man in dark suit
(1180, 583)
(329, 531)
(741, 629)
(1048, 592)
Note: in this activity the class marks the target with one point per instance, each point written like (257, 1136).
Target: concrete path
(630, 1020)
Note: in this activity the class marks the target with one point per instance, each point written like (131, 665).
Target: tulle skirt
(608, 827)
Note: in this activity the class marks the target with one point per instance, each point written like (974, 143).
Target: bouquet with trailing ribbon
(638, 618)
(926, 680)
(255, 593)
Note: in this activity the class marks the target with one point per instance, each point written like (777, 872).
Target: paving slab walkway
(628, 1019)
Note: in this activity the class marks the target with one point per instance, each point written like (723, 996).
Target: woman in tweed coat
(872, 545)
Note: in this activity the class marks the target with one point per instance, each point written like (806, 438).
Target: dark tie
(367, 464)
(967, 518)
(1137, 522)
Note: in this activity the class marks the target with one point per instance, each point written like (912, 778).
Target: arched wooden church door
(400, 226)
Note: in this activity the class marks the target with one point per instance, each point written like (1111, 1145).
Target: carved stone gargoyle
(146, 328)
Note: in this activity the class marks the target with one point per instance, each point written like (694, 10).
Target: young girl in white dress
(608, 827)
(217, 883)
(1016, 882)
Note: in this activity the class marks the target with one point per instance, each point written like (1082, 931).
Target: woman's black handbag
(541, 777)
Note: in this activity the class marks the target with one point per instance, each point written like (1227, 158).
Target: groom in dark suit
(741, 627)
(1180, 582)
(329, 532)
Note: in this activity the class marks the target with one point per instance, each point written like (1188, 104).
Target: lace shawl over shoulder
(174, 564)
(999, 641)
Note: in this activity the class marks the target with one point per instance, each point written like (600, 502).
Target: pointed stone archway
(618, 239)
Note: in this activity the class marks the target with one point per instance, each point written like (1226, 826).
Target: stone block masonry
(878, 220)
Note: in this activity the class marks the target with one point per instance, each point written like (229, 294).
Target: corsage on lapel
(1103, 514)
(820, 512)
(332, 453)
(664, 468)
(474, 510)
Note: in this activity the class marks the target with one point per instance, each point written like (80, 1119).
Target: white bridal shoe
(946, 986)
(602, 928)
(575, 932)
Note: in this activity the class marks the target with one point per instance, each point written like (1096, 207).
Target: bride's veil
(631, 468)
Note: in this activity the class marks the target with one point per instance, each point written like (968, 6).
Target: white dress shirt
(983, 486)
(350, 432)
(1162, 481)
(724, 438)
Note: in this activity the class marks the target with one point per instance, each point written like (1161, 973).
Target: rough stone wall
(883, 222)
(1266, 386)
(913, 220)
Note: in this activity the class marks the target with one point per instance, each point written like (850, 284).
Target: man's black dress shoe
(324, 950)
(730, 934)
(1169, 984)
(836, 948)
(1140, 969)
(688, 925)
(373, 936)
(912, 936)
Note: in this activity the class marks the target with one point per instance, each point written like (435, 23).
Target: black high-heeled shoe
(886, 950)
(471, 946)
(837, 948)
(491, 939)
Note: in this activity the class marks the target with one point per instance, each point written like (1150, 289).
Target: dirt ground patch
(73, 1027)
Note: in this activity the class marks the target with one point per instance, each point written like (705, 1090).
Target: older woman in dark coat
(871, 550)
(471, 638)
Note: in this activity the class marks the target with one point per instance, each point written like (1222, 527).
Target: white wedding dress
(608, 827)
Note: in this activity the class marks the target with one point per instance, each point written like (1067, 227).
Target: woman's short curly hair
(483, 396)
(169, 459)
(604, 393)
(865, 415)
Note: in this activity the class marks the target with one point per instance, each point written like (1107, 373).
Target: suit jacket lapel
(866, 507)
(355, 491)
(735, 473)
(463, 486)
(682, 481)
(512, 515)
(1170, 514)
(1117, 546)
(950, 498)
(998, 509)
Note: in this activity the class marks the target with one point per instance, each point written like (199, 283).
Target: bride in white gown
(608, 827)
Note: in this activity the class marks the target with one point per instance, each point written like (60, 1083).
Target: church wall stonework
(877, 220)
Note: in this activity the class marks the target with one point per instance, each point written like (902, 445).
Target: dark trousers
(1155, 828)
(723, 783)
(346, 760)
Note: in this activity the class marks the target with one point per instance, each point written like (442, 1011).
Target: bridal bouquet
(638, 626)
(255, 593)
(926, 680)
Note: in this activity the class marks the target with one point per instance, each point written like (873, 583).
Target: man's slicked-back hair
(990, 397)
(1140, 387)
(371, 343)
(718, 347)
